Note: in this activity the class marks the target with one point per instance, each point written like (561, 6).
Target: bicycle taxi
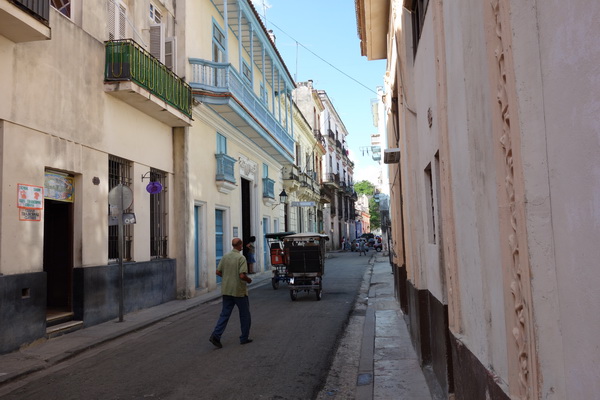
(278, 259)
(305, 258)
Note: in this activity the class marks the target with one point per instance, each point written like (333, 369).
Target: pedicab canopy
(307, 236)
(278, 235)
(306, 253)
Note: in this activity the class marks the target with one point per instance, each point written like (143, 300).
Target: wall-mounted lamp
(282, 198)
(152, 187)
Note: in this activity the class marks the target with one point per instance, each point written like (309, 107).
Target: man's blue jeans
(243, 305)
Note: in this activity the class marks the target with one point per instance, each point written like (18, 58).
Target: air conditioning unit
(391, 156)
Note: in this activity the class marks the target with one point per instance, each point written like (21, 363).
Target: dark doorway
(246, 214)
(58, 254)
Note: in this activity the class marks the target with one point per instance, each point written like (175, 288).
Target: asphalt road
(294, 344)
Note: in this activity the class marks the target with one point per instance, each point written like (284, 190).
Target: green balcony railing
(126, 60)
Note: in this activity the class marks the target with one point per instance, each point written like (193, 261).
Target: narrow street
(294, 343)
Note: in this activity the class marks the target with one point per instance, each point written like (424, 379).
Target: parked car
(377, 246)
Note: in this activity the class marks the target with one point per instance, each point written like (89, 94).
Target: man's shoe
(246, 341)
(213, 339)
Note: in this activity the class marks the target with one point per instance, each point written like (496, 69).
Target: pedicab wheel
(275, 283)
(294, 294)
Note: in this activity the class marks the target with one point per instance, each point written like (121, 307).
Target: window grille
(119, 172)
(63, 6)
(158, 217)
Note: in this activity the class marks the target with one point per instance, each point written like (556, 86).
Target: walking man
(362, 247)
(234, 271)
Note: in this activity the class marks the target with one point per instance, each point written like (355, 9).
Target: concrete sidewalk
(386, 365)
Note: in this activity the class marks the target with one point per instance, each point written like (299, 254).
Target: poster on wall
(58, 187)
(30, 196)
(26, 214)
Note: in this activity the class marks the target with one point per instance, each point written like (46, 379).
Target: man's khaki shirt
(231, 266)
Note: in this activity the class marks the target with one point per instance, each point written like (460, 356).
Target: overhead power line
(322, 59)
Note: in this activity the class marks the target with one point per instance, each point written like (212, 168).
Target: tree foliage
(366, 187)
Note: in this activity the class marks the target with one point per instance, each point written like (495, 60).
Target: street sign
(128, 219)
(303, 204)
(120, 194)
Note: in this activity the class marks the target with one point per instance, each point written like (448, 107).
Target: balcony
(220, 86)
(225, 178)
(268, 192)
(309, 190)
(140, 80)
(25, 20)
(331, 135)
(291, 177)
(332, 180)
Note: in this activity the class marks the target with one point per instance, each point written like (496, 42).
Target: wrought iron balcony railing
(223, 78)
(332, 179)
(290, 172)
(126, 60)
(225, 168)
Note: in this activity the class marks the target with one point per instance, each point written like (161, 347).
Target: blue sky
(327, 28)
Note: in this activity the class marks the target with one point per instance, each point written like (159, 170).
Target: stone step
(63, 328)
(56, 317)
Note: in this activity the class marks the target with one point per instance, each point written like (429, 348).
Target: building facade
(302, 180)
(96, 121)
(493, 207)
(338, 172)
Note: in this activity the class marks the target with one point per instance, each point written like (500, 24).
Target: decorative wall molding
(513, 234)
(248, 168)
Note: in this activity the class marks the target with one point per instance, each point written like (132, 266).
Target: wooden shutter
(171, 53)
(157, 43)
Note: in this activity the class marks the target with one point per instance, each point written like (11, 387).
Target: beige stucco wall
(59, 117)
(555, 137)
(557, 86)
(472, 159)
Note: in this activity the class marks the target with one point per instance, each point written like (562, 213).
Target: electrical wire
(322, 59)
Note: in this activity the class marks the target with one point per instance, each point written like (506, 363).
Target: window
(117, 16)
(158, 216)
(265, 171)
(298, 154)
(63, 6)
(430, 205)
(119, 172)
(246, 71)
(155, 14)
(218, 44)
(161, 47)
(263, 93)
(221, 144)
(418, 10)
(219, 237)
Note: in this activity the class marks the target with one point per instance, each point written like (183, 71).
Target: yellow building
(96, 120)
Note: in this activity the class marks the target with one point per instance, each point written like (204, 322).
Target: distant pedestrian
(234, 271)
(362, 247)
(251, 255)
